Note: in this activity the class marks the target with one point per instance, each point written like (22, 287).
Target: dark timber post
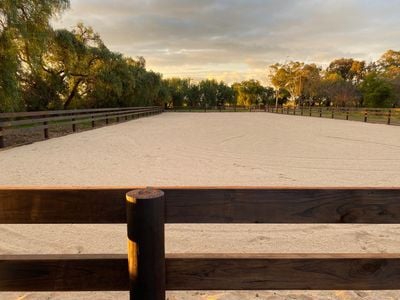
(106, 119)
(389, 117)
(73, 125)
(366, 116)
(93, 122)
(347, 114)
(320, 112)
(1, 138)
(310, 110)
(146, 250)
(46, 129)
(294, 111)
(333, 113)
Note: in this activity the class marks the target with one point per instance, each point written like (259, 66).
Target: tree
(251, 92)
(289, 77)
(24, 34)
(299, 79)
(348, 68)
(225, 94)
(338, 91)
(193, 95)
(209, 92)
(389, 64)
(178, 89)
(377, 91)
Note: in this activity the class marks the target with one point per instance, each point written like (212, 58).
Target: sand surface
(213, 149)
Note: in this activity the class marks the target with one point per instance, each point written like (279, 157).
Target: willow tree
(24, 33)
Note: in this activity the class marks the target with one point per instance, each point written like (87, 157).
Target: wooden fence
(45, 120)
(370, 115)
(149, 272)
(367, 115)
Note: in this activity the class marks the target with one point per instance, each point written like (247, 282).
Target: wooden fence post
(45, 129)
(366, 116)
(347, 114)
(333, 113)
(73, 125)
(1, 138)
(93, 122)
(146, 244)
(302, 109)
(310, 110)
(320, 112)
(389, 117)
(106, 119)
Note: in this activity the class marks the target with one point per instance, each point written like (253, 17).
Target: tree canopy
(42, 68)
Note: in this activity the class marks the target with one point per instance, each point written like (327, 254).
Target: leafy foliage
(42, 68)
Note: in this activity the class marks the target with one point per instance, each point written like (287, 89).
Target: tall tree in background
(348, 68)
(24, 33)
(377, 91)
(338, 91)
(209, 92)
(251, 92)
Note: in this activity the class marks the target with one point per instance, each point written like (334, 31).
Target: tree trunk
(72, 94)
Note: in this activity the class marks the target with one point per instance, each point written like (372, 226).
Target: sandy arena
(213, 149)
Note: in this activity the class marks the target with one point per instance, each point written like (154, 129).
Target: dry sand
(214, 149)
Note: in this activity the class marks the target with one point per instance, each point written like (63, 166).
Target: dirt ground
(213, 149)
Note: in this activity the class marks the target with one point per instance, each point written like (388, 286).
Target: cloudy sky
(238, 39)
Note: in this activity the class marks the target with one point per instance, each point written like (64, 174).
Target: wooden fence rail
(45, 120)
(150, 272)
(370, 115)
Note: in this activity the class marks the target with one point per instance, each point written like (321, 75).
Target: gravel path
(214, 149)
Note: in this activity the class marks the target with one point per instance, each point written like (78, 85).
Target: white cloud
(233, 39)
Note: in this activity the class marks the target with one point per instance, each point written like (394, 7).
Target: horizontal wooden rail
(61, 112)
(52, 119)
(69, 117)
(37, 273)
(389, 116)
(205, 272)
(206, 205)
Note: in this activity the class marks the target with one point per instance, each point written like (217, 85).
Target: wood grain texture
(207, 205)
(62, 206)
(282, 274)
(146, 216)
(64, 273)
(205, 272)
(283, 206)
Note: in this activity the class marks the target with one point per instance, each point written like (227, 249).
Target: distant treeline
(43, 69)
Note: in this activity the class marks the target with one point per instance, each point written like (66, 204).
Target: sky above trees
(234, 40)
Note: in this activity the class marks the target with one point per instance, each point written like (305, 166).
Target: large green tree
(377, 91)
(24, 33)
